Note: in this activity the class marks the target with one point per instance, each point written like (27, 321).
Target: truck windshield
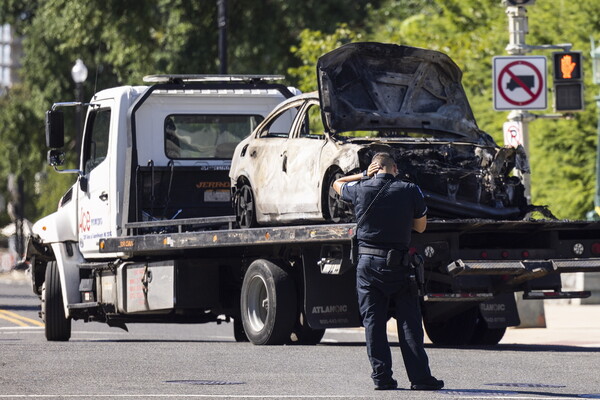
(189, 136)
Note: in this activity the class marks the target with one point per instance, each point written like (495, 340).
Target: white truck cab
(148, 153)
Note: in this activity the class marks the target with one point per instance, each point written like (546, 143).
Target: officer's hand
(373, 168)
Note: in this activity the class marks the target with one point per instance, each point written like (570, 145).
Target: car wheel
(57, 326)
(334, 208)
(268, 303)
(245, 208)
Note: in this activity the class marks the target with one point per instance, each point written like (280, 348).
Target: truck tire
(455, 331)
(268, 303)
(304, 334)
(485, 336)
(57, 326)
(238, 331)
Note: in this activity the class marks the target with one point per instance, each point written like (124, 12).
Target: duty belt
(372, 251)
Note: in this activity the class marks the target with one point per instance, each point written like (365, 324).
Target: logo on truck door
(85, 221)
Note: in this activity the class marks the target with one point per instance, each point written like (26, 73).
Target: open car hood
(373, 86)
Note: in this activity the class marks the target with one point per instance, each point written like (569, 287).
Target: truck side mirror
(83, 184)
(55, 130)
(56, 158)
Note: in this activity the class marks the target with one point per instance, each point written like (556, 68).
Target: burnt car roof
(373, 86)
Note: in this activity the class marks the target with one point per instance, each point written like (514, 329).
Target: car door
(97, 193)
(265, 154)
(300, 162)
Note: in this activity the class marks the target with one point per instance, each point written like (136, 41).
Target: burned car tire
(245, 209)
(268, 303)
(455, 331)
(57, 326)
(334, 208)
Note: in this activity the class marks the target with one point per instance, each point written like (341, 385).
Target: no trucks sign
(520, 83)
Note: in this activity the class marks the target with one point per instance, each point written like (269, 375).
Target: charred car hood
(373, 86)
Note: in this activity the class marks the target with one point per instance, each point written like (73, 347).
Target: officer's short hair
(383, 159)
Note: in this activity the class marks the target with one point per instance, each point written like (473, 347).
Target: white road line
(21, 328)
(147, 395)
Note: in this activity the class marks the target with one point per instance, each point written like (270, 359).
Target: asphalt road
(203, 361)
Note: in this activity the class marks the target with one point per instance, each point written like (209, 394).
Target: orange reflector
(267, 236)
(215, 238)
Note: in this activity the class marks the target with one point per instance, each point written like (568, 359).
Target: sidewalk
(568, 325)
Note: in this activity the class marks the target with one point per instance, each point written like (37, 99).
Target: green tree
(121, 41)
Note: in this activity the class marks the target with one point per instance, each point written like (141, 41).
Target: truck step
(80, 306)
(489, 267)
(94, 265)
(556, 295)
(465, 296)
(577, 265)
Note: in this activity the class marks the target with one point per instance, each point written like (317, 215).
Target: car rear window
(201, 136)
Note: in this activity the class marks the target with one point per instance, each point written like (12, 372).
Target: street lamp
(79, 73)
(595, 53)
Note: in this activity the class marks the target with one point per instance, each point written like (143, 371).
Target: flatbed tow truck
(114, 253)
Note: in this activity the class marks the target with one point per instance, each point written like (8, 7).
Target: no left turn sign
(520, 83)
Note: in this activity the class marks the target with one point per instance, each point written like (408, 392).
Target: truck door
(97, 194)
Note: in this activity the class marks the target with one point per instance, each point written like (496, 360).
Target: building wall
(10, 57)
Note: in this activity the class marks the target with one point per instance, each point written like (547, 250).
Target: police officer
(397, 210)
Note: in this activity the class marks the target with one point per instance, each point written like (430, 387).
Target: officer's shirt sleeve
(349, 190)
(420, 209)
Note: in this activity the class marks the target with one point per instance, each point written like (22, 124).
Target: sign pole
(517, 29)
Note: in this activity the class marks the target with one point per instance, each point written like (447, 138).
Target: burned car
(375, 97)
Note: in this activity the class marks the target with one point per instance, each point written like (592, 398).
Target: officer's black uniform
(388, 225)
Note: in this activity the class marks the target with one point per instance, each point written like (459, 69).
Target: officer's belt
(372, 252)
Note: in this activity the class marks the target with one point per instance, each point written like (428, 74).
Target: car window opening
(201, 136)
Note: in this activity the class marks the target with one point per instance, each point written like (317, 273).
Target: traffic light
(568, 81)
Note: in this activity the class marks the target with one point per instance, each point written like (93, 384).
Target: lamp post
(595, 53)
(79, 73)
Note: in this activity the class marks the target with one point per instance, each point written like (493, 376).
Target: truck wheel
(245, 208)
(304, 334)
(58, 327)
(334, 208)
(485, 336)
(456, 331)
(268, 303)
(238, 331)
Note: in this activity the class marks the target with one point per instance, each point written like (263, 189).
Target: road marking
(212, 396)
(19, 319)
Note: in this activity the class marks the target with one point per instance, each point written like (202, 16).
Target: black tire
(334, 208)
(268, 303)
(485, 336)
(455, 331)
(245, 208)
(238, 331)
(304, 334)
(57, 326)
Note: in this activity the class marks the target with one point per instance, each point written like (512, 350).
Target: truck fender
(60, 226)
(67, 258)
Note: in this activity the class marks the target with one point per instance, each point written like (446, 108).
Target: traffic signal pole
(517, 30)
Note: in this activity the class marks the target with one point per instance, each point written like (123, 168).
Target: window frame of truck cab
(177, 139)
(97, 134)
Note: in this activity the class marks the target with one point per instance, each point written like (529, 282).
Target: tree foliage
(121, 41)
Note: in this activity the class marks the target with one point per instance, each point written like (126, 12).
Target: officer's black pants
(377, 284)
